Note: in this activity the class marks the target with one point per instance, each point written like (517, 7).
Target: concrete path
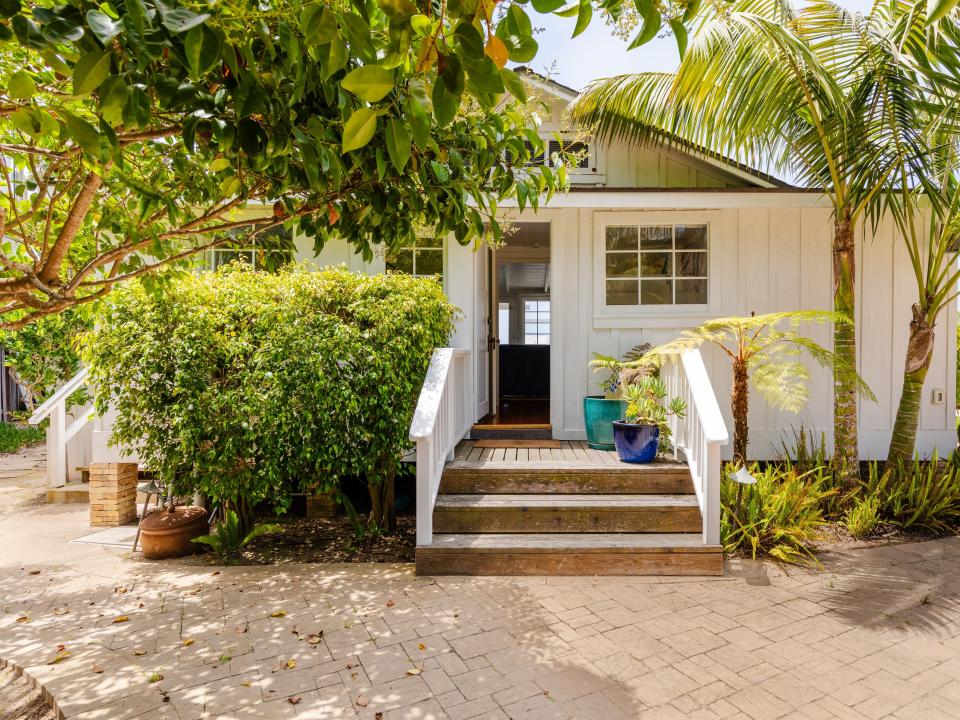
(875, 635)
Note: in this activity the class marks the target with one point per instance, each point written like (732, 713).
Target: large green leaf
(359, 129)
(103, 26)
(398, 143)
(83, 133)
(180, 19)
(938, 9)
(202, 48)
(21, 86)
(90, 71)
(369, 82)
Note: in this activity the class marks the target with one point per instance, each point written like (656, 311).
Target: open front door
(482, 329)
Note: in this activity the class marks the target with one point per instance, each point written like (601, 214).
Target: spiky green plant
(917, 496)
(817, 93)
(612, 383)
(645, 406)
(762, 350)
(779, 516)
(228, 540)
(863, 516)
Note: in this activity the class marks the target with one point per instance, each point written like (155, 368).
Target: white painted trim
(679, 200)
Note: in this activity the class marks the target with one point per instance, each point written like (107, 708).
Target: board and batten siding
(761, 259)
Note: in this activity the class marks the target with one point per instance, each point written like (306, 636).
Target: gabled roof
(729, 165)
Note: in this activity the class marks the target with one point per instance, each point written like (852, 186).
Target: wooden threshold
(518, 443)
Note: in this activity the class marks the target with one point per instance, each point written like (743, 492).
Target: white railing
(698, 436)
(59, 434)
(441, 420)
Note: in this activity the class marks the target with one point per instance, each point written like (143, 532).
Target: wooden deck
(571, 451)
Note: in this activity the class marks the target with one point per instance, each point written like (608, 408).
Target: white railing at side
(698, 436)
(59, 433)
(441, 420)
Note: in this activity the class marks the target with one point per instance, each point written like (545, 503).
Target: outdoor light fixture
(743, 477)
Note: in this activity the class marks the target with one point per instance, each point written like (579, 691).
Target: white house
(710, 238)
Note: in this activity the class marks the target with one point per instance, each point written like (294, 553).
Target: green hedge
(248, 386)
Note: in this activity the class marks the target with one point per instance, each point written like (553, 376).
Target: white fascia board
(692, 199)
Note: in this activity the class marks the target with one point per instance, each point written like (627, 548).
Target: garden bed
(323, 540)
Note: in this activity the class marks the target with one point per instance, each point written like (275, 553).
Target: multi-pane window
(575, 154)
(266, 250)
(425, 259)
(536, 322)
(655, 264)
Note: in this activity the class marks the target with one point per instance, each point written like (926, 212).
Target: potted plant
(645, 426)
(599, 411)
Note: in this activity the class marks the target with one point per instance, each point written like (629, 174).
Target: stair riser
(566, 520)
(451, 562)
(475, 482)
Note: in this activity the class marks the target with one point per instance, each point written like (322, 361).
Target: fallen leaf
(120, 590)
(154, 677)
(278, 613)
(241, 629)
(362, 701)
(34, 572)
(414, 671)
(121, 619)
(315, 639)
(421, 647)
(390, 603)
(60, 611)
(23, 619)
(350, 666)
(378, 716)
(353, 676)
(62, 654)
(139, 653)
(215, 572)
(141, 606)
(295, 700)
(188, 642)
(290, 664)
(96, 669)
(194, 591)
(246, 683)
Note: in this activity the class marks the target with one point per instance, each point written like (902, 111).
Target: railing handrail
(428, 404)
(705, 400)
(60, 396)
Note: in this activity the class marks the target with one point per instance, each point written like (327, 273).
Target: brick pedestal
(113, 494)
(320, 505)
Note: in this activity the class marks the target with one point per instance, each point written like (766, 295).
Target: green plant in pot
(645, 429)
(599, 411)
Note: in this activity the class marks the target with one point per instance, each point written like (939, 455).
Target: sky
(596, 53)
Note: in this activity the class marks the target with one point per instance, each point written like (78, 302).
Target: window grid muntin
(641, 242)
(423, 260)
(537, 329)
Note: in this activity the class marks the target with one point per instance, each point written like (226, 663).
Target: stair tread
(537, 542)
(565, 501)
(552, 466)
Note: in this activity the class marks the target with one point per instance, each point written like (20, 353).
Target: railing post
(711, 495)
(424, 491)
(57, 447)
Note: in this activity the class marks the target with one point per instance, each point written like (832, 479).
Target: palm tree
(759, 349)
(794, 90)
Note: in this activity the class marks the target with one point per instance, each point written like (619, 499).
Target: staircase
(567, 511)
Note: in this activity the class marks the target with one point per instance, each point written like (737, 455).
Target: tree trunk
(919, 355)
(739, 405)
(845, 441)
(383, 510)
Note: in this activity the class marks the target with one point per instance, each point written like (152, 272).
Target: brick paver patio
(874, 635)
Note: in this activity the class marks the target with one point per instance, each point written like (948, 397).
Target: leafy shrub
(42, 356)
(862, 518)
(779, 516)
(13, 437)
(923, 496)
(247, 386)
(807, 452)
(228, 540)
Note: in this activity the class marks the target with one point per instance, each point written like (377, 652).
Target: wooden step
(511, 432)
(491, 513)
(569, 554)
(660, 478)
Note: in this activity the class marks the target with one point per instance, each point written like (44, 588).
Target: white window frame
(523, 317)
(608, 314)
(442, 249)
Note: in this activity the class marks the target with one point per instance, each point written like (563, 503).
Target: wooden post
(57, 447)
(113, 494)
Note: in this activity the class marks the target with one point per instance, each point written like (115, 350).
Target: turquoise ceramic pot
(598, 415)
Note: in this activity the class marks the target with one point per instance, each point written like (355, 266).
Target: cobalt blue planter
(636, 443)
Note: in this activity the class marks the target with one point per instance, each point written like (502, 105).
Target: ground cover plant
(249, 386)
(13, 437)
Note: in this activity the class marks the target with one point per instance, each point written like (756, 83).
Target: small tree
(768, 356)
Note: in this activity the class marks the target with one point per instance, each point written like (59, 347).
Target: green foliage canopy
(248, 386)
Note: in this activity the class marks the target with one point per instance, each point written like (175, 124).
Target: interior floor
(519, 411)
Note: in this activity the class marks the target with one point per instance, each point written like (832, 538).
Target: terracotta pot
(165, 534)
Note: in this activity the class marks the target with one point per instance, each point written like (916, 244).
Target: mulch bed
(322, 540)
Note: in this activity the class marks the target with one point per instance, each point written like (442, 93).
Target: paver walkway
(876, 635)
